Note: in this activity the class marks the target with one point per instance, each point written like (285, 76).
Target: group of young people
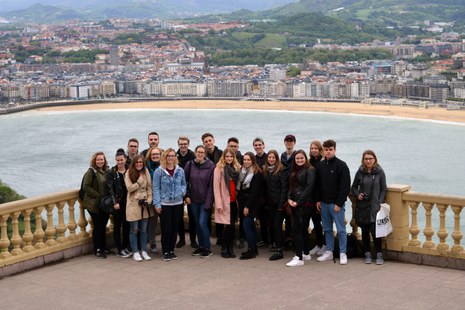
(290, 189)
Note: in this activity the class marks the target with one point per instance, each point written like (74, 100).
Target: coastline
(432, 114)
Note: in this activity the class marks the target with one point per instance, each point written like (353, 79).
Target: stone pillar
(399, 217)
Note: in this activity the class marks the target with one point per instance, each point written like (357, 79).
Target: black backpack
(81, 190)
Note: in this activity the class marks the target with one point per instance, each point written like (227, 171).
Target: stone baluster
(442, 233)
(4, 241)
(82, 222)
(61, 227)
(414, 229)
(400, 214)
(72, 225)
(50, 230)
(457, 234)
(429, 230)
(28, 237)
(16, 237)
(39, 233)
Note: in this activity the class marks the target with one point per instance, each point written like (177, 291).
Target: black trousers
(192, 228)
(264, 223)
(278, 226)
(120, 225)
(366, 230)
(169, 222)
(229, 231)
(300, 221)
(99, 232)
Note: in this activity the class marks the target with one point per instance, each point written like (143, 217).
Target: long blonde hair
(222, 162)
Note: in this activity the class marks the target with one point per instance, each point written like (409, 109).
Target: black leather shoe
(248, 255)
(231, 251)
(180, 244)
(100, 254)
(276, 256)
(224, 252)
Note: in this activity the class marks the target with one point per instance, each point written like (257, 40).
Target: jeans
(141, 228)
(250, 232)
(328, 216)
(201, 216)
(99, 232)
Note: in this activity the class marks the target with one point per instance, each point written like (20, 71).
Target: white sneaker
(315, 250)
(321, 251)
(145, 256)
(327, 255)
(306, 257)
(137, 257)
(343, 259)
(295, 262)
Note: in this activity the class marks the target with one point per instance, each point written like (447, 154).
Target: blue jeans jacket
(167, 189)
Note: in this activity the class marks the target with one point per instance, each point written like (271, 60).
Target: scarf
(270, 169)
(230, 174)
(245, 177)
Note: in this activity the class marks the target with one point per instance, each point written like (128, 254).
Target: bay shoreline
(421, 113)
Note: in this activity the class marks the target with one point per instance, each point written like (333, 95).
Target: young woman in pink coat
(224, 190)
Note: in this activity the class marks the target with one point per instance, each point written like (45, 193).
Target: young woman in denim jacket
(169, 189)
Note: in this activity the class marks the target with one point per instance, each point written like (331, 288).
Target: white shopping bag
(383, 221)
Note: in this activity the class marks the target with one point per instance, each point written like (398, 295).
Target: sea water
(45, 152)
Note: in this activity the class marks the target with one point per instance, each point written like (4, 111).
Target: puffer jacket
(276, 188)
(374, 185)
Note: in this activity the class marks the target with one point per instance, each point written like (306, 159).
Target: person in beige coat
(224, 190)
(139, 201)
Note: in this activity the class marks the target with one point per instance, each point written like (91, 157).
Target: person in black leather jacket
(301, 191)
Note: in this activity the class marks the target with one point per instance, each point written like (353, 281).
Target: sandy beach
(437, 114)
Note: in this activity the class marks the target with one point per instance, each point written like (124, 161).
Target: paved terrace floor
(216, 283)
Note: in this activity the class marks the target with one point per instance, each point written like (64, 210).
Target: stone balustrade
(62, 236)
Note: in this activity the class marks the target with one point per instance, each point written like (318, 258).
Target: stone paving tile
(217, 283)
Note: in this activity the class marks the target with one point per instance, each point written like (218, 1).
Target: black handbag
(106, 205)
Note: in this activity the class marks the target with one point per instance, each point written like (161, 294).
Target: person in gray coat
(369, 189)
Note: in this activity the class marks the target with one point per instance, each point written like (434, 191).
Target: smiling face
(300, 159)
(171, 157)
(100, 161)
(155, 155)
(209, 143)
(228, 158)
(259, 147)
(314, 151)
(247, 161)
(271, 159)
(183, 145)
(139, 164)
(121, 161)
(153, 140)
(200, 154)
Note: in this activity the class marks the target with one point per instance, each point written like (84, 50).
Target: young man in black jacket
(332, 189)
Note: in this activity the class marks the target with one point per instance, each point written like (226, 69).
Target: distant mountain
(42, 13)
(400, 12)
(146, 8)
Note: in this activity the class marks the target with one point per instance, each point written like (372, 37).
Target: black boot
(231, 251)
(248, 255)
(224, 252)
(277, 255)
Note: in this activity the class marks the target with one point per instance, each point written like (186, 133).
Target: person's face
(153, 140)
(120, 161)
(369, 161)
(259, 147)
(314, 151)
(155, 155)
(139, 164)
(233, 146)
(289, 144)
(209, 143)
(183, 145)
(100, 161)
(133, 148)
(271, 159)
(299, 159)
(200, 154)
(229, 158)
(247, 162)
(170, 157)
(330, 152)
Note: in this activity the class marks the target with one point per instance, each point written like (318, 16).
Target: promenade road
(216, 283)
